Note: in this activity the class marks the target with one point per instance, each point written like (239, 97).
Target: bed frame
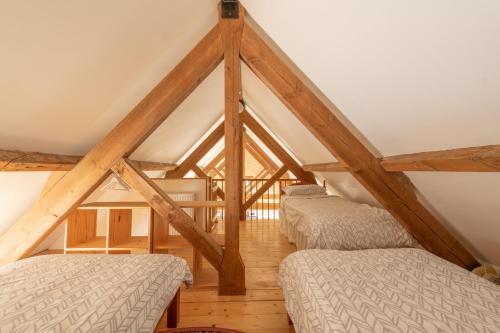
(171, 315)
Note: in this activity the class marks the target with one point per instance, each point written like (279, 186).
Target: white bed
(330, 222)
(88, 293)
(385, 290)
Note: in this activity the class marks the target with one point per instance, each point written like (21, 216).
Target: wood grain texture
(120, 226)
(393, 190)
(326, 167)
(168, 209)
(232, 274)
(472, 159)
(276, 148)
(266, 186)
(73, 188)
(16, 160)
(259, 154)
(262, 309)
(200, 151)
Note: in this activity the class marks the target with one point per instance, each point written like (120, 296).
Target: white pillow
(304, 190)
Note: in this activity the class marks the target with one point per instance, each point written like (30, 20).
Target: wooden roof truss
(230, 40)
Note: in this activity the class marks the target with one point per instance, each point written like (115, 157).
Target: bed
(385, 290)
(320, 221)
(89, 293)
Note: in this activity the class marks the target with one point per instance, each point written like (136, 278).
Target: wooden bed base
(171, 315)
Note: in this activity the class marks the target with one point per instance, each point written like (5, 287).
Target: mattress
(88, 293)
(385, 290)
(331, 222)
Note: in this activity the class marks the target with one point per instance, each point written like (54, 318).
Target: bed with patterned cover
(385, 290)
(89, 293)
(331, 222)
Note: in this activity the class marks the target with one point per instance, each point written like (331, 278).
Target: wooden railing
(266, 207)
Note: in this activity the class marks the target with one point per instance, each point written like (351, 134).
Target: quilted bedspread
(331, 222)
(385, 290)
(88, 293)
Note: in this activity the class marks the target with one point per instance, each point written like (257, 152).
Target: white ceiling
(410, 75)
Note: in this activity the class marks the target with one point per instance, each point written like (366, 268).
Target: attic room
(249, 166)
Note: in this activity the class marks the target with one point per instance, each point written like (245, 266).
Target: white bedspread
(330, 222)
(385, 290)
(88, 293)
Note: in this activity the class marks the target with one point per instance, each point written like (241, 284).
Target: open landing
(262, 309)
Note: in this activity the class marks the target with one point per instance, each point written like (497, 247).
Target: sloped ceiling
(410, 75)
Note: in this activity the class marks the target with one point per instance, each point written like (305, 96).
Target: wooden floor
(262, 309)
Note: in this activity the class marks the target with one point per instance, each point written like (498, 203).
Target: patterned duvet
(385, 290)
(88, 293)
(330, 222)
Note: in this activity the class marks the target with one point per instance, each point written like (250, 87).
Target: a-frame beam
(214, 162)
(170, 211)
(327, 167)
(393, 190)
(472, 159)
(200, 173)
(74, 187)
(266, 186)
(276, 148)
(200, 151)
(16, 160)
(232, 275)
(259, 154)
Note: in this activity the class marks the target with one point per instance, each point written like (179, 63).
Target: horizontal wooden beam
(169, 210)
(144, 204)
(16, 160)
(326, 167)
(473, 159)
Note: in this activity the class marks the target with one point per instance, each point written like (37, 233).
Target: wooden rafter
(200, 151)
(393, 190)
(472, 159)
(276, 148)
(73, 188)
(170, 211)
(200, 173)
(266, 186)
(214, 162)
(327, 167)
(232, 276)
(260, 155)
(16, 160)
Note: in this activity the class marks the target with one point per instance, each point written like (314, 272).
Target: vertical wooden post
(232, 273)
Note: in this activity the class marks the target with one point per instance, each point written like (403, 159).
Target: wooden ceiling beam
(275, 147)
(46, 214)
(200, 151)
(326, 167)
(472, 159)
(393, 190)
(171, 211)
(232, 276)
(260, 154)
(16, 160)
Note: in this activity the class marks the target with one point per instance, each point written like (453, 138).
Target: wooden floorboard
(262, 309)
